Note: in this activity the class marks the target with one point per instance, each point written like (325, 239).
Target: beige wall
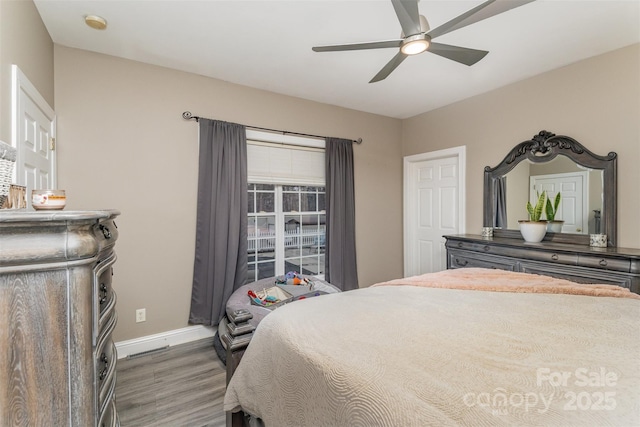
(24, 41)
(596, 101)
(122, 143)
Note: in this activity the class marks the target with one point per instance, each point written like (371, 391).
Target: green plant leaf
(535, 212)
(556, 203)
(552, 209)
(551, 214)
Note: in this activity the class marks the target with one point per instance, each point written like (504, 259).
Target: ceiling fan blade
(485, 10)
(408, 15)
(459, 54)
(387, 69)
(358, 46)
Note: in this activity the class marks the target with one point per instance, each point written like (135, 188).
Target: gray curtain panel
(340, 251)
(500, 202)
(220, 265)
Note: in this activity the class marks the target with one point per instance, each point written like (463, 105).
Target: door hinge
(52, 144)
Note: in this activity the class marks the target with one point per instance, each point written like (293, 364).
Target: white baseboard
(163, 339)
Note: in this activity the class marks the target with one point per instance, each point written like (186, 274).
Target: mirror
(550, 162)
(581, 188)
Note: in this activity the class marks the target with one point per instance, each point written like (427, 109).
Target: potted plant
(551, 209)
(534, 229)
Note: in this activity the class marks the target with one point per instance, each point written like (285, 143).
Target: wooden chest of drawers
(582, 264)
(57, 313)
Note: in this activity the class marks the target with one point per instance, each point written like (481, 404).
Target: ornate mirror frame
(546, 146)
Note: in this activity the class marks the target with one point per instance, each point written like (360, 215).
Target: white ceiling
(267, 44)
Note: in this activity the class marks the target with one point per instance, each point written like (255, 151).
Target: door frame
(409, 165)
(20, 82)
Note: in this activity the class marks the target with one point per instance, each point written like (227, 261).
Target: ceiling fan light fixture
(415, 44)
(95, 22)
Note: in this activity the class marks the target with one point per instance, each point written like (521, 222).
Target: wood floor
(180, 386)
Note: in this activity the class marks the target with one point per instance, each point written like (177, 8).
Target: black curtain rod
(188, 116)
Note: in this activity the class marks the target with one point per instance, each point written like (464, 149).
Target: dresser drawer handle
(603, 262)
(461, 263)
(105, 231)
(103, 293)
(460, 244)
(487, 248)
(554, 257)
(103, 372)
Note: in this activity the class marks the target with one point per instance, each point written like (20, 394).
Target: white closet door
(434, 195)
(34, 135)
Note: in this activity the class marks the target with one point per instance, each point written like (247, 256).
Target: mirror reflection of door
(574, 203)
(518, 191)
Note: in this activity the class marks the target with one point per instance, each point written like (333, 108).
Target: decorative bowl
(48, 199)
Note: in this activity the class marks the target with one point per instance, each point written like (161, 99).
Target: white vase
(555, 226)
(533, 231)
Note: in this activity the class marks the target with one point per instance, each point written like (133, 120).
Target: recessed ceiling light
(95, 22)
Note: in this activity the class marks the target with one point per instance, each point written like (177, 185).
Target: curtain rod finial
(188, 116)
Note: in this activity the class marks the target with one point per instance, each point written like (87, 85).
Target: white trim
(163, 339)
(408, 163)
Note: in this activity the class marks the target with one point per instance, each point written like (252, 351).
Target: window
(286, 223)
(286, 230)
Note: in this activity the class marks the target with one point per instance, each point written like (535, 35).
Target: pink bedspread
(482, 279)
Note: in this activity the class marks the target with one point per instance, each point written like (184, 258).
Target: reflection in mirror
(580, 188)
(548, 162)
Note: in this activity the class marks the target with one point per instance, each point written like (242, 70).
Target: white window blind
(284, 159)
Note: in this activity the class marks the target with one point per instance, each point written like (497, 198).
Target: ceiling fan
(417, 37)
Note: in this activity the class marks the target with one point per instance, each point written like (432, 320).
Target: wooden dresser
(57, 313)
(583, 264)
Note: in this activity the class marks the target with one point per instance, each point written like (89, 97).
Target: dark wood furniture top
(582, 264)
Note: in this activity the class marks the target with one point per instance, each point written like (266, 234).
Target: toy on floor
(292, 278)
(268, 297)
(267, 300)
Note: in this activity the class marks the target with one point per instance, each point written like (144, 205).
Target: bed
(458, 347)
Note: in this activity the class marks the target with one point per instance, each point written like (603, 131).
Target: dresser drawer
(473, 246)
(488, 248)
(463, 259)
(605, 263)
(579, 274)
(553, 257)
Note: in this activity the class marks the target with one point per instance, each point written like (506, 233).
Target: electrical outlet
(141, 315)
